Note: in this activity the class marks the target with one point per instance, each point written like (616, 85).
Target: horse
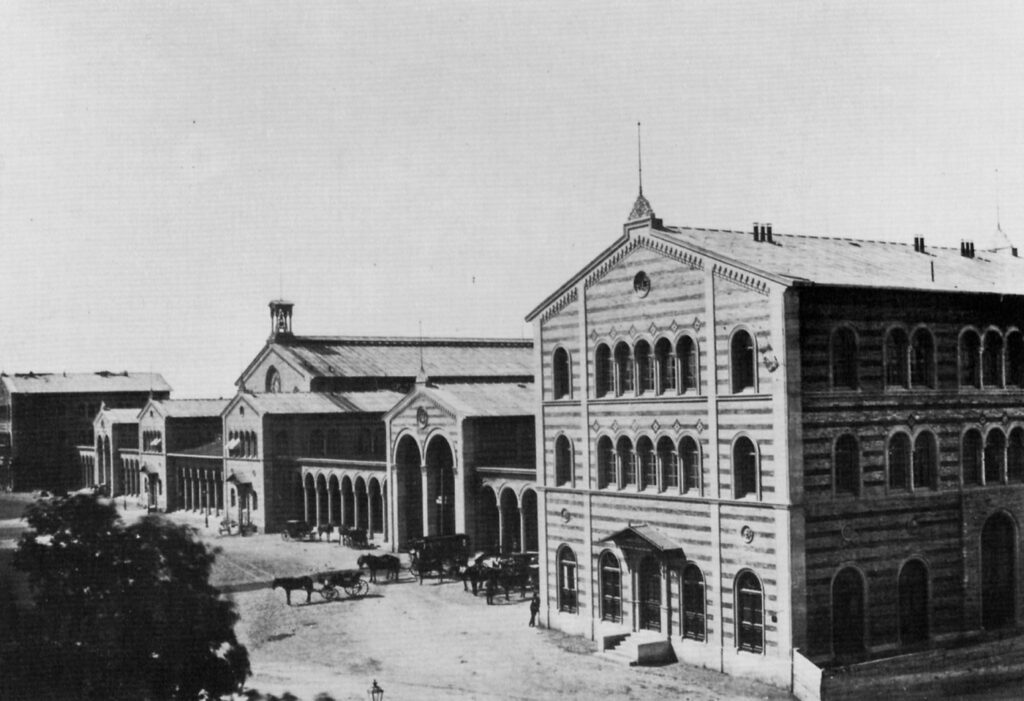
(289, 584)
(474, 575)
(389, 563)
(324, 529)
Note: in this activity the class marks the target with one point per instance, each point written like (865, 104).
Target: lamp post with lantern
(375, 692)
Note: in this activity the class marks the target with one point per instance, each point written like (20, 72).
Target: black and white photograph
(511, 350)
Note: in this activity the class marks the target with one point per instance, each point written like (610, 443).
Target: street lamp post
(375, 692)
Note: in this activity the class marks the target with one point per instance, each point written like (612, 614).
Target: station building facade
(111, 462)
(753, 446)
(321, 430)
(46, 417)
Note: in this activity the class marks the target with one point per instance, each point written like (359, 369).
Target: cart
(297, 530)
(350, 580)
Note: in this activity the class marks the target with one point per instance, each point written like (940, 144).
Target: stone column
(330, 502)
(522, 530)
(305, 500)
(316, 492)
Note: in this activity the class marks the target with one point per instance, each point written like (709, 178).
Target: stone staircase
(639, 648)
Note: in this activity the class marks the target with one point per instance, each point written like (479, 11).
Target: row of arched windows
(242, 444)
(913, 463)
(328, 443)
(667, 466)
(639, 370)
(984, 361)
(849, 597)
(749, 596)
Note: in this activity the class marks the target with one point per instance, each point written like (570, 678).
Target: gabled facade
(46, 417)
(753, 444)
(115, 430)
(461, 459)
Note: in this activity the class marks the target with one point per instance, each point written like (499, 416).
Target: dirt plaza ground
(433, 641)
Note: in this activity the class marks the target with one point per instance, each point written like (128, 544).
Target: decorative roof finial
(641, 208)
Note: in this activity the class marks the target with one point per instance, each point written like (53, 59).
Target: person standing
(534, 610)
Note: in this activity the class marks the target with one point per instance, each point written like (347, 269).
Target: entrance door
(649, 585)
(998, 545)
(847, 613)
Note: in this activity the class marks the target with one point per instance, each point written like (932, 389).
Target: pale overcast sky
(168, 168)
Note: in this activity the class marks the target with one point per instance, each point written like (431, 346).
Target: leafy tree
(121, 611)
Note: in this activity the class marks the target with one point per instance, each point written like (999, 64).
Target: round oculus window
(641, 284)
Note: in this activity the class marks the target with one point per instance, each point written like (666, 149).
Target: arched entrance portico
(408, 491)
(333, 501)
(487, 521)
(348, 512)
(998, 567)
(529, 521)
(440, 487)
(361, 515)
(321, 500)
(510, 523)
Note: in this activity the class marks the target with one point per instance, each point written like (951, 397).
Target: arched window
(611, 588)
(255, 445)
(970, 356)
(648, 464)
(689, 456)
(1015, 359)
(666, 366)
(992, 360)
(693, 603)
(567, 580)
(669, 464)
(896, 346)
(744, 467)
(624, 369)
(1015, 456)
(970, 457)
(995, 456)
(926, 462)
(750, 609)
(644, 368)
(605, 462)
(742, 363)
(686, 350)
(604, 371)
(316, 443)
(847, 465)
(922, 359)
(563, 461)
(627, 461)
(913, 596)
(844, 359)
(273, 383)
(562, 373)
(899, 461)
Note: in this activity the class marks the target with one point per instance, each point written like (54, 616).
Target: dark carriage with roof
(442, 554)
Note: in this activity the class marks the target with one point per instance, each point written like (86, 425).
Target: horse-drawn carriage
(353, 537)
(444, 554)
(297, 530)
(351, 581)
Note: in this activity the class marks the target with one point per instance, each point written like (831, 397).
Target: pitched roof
(323, 402)
(860, 263)
(85, 382)
(353, 356)
(191, 408)
(487, 398)
(791, 260)
(119, 416)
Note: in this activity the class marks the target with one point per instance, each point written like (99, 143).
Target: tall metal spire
(641, 208)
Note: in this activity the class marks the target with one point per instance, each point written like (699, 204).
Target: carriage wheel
(329, 592)
(284, 535)
(358, 589)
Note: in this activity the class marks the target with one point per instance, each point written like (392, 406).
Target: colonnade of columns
(131, 476)
(339, 503)
(200, 489)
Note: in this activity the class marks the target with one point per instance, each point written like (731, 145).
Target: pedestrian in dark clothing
(534, 610)
(492, 586)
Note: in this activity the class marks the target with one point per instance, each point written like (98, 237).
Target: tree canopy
(120, 611)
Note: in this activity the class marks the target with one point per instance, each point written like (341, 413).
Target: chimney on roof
(768, 233)
(967, 249)
(919, 244)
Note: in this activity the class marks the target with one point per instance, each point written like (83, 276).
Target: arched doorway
(321, 500)
(334, 501)
(308, 498)
(376, 507)
(848, 613)
(998, 564)
(347, 503)
(362, 513)
(648, 581)
(529, 513)
(487, 521)
(409, 491)
(509, 521)
(913, 593)
(440, 487)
